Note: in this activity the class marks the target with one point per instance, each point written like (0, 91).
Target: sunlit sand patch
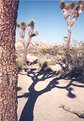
(42, 84)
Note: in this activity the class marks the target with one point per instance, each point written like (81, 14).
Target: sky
(49, 21)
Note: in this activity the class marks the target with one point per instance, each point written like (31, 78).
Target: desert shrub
(18, 63)
(60, 50)
(42, 63)
(43, 50)
(18, 54)
(74, 59)
(53, 50)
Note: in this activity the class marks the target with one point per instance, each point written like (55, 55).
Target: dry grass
(53, 54)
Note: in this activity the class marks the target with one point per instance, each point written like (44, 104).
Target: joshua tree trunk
(8, 71)
(22, 34)
(26, 45)
(68, 36)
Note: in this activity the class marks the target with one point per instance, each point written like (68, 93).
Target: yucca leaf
(31, 23)
(23, 25)
(72, 5)
(62, 5)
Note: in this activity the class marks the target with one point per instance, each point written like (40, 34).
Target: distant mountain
(33, 44)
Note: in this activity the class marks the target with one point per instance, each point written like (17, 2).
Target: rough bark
(8, 71)
(68, 36)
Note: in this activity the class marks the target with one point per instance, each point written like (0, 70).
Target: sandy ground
(45, 97)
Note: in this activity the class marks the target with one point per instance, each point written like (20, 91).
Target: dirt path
(44, 97)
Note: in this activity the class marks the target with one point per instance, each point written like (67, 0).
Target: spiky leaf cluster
(80, 2)
(31, 23)
(23, 25)
(62, 5)
(66, 5)
(72, 5)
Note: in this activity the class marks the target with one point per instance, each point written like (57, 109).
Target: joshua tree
(31, 34)
(71, 11)
(8, 70)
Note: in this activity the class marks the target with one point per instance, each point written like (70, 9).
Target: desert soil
(45, 97)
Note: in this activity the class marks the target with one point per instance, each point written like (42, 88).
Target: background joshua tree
(71, 11)
(31, 33)
(8, 71)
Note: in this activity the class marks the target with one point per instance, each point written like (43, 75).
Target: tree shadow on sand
(42, 75)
